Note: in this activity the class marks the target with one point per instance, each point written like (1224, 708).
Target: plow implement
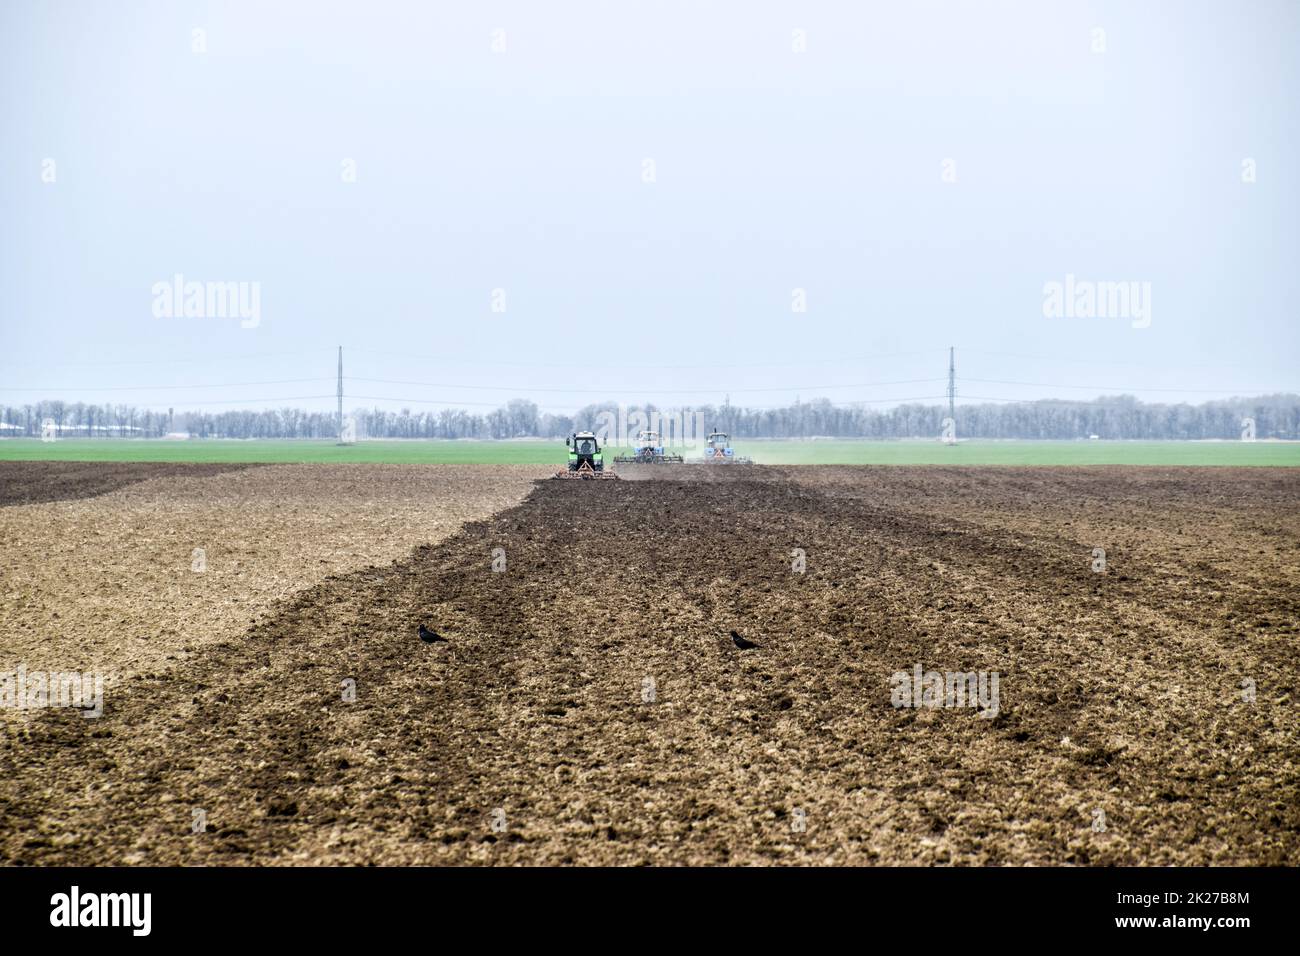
(717, 457)
(649, 456)
(584, 472)
(649, 451)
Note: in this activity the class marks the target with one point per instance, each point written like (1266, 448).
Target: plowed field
(589, 704)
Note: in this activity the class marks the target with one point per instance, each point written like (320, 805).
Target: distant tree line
(81, 418)
(1120, 417)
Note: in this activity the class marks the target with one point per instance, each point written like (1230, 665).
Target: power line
(455, 403)
(626, 388)
(157, 388)
(755, 408)
(236, 401)
(340, 392)
(952, 384)
(516, 390)
(1105, 388)
(1082, 361)
(1085, 402)
(852, 404)
(172, 361)
(710, 365)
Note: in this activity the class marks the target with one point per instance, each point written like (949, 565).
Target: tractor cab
(719, 445)
(718, 451)
(648, 446)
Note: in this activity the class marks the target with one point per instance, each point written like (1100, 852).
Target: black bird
(740, 642)
(430, 637)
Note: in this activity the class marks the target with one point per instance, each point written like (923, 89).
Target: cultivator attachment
(649, 456)
(584, 472)
(649, 451)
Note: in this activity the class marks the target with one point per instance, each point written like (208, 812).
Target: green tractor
(586, 460)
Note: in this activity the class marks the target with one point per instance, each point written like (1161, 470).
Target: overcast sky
(919, 171)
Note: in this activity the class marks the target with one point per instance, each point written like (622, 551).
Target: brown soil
(1123, 735)
(31, 482)
(107, 583)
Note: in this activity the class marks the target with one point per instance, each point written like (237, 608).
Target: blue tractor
(718, 451)
(649, 451)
